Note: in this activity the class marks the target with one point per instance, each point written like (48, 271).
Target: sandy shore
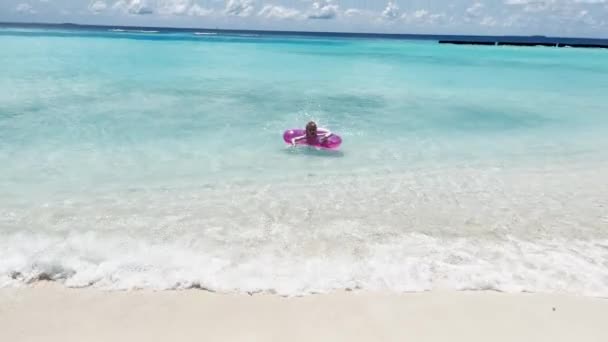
(53, 313)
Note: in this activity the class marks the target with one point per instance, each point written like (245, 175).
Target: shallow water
(131, 162)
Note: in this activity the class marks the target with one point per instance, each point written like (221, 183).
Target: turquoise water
(131, 162)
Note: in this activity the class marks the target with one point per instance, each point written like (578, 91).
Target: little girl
(313, 134)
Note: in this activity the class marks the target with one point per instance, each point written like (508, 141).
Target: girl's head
(311, 129)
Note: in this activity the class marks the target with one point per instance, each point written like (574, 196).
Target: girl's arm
(323, 133)
(296, 139)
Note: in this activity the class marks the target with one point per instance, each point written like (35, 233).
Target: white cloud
(488, 21)
(537, 5)
(175, 7)
(198, 11)
(391, 11)
(475, 10)
(439, 17)
(239, 8)
(323, 9)
(356, 15)
(162, 7)
(351, 12)
(419, 14)
(181, 7)
(533, 2)
(97, 6)
(278, 12)
(517, 2)
(585, 17)
(474, 13)
(133, 7)
(423, 16)
(25, 8)
(565, 16)
(514, 21)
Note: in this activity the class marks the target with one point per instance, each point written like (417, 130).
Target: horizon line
(299, 32)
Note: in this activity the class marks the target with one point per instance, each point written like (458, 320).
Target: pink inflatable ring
(331, 143)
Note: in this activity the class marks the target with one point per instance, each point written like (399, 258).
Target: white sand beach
(51, 312)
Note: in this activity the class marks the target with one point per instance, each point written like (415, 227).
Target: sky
(573, 18)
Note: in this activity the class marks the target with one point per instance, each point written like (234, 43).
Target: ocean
(142, 159)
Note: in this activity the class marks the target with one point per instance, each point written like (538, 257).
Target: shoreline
(51, 312)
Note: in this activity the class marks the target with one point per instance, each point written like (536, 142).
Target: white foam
(463, 229)
(412, 262)
(134, 31)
